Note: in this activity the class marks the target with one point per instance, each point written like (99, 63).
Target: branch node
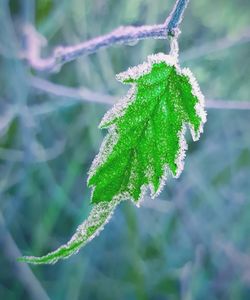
(174, 32)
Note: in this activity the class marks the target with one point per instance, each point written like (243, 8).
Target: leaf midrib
(146, 124)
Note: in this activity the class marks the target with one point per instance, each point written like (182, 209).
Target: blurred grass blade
(98, 217)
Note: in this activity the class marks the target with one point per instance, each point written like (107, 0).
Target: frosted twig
(84, 94)
(215, 46)
(80, 93)
(34, 43)
(228, 104)
(121, 35)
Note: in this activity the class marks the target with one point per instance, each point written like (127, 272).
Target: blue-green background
(193, 243)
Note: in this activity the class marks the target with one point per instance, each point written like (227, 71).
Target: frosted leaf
(147, 130)
(145, 142)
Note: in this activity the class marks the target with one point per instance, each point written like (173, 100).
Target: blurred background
(190, 243)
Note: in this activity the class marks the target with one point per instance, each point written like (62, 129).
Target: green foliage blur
(190, 244)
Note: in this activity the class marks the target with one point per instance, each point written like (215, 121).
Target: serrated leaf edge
(119, 109)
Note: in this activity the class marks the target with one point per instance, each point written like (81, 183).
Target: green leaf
(145, 141)
(146, 131)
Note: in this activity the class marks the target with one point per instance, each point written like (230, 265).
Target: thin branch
(215, 46)
(176, 16)
(86, 95)
(229, 104)
(121, 35)
(80, 93)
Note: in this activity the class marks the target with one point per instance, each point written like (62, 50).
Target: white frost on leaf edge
(106, 148)
(99, 216)
(200, 105)
(98, 211)
(119, 109)
(136, 72)
(102, 212)
(146, 67)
